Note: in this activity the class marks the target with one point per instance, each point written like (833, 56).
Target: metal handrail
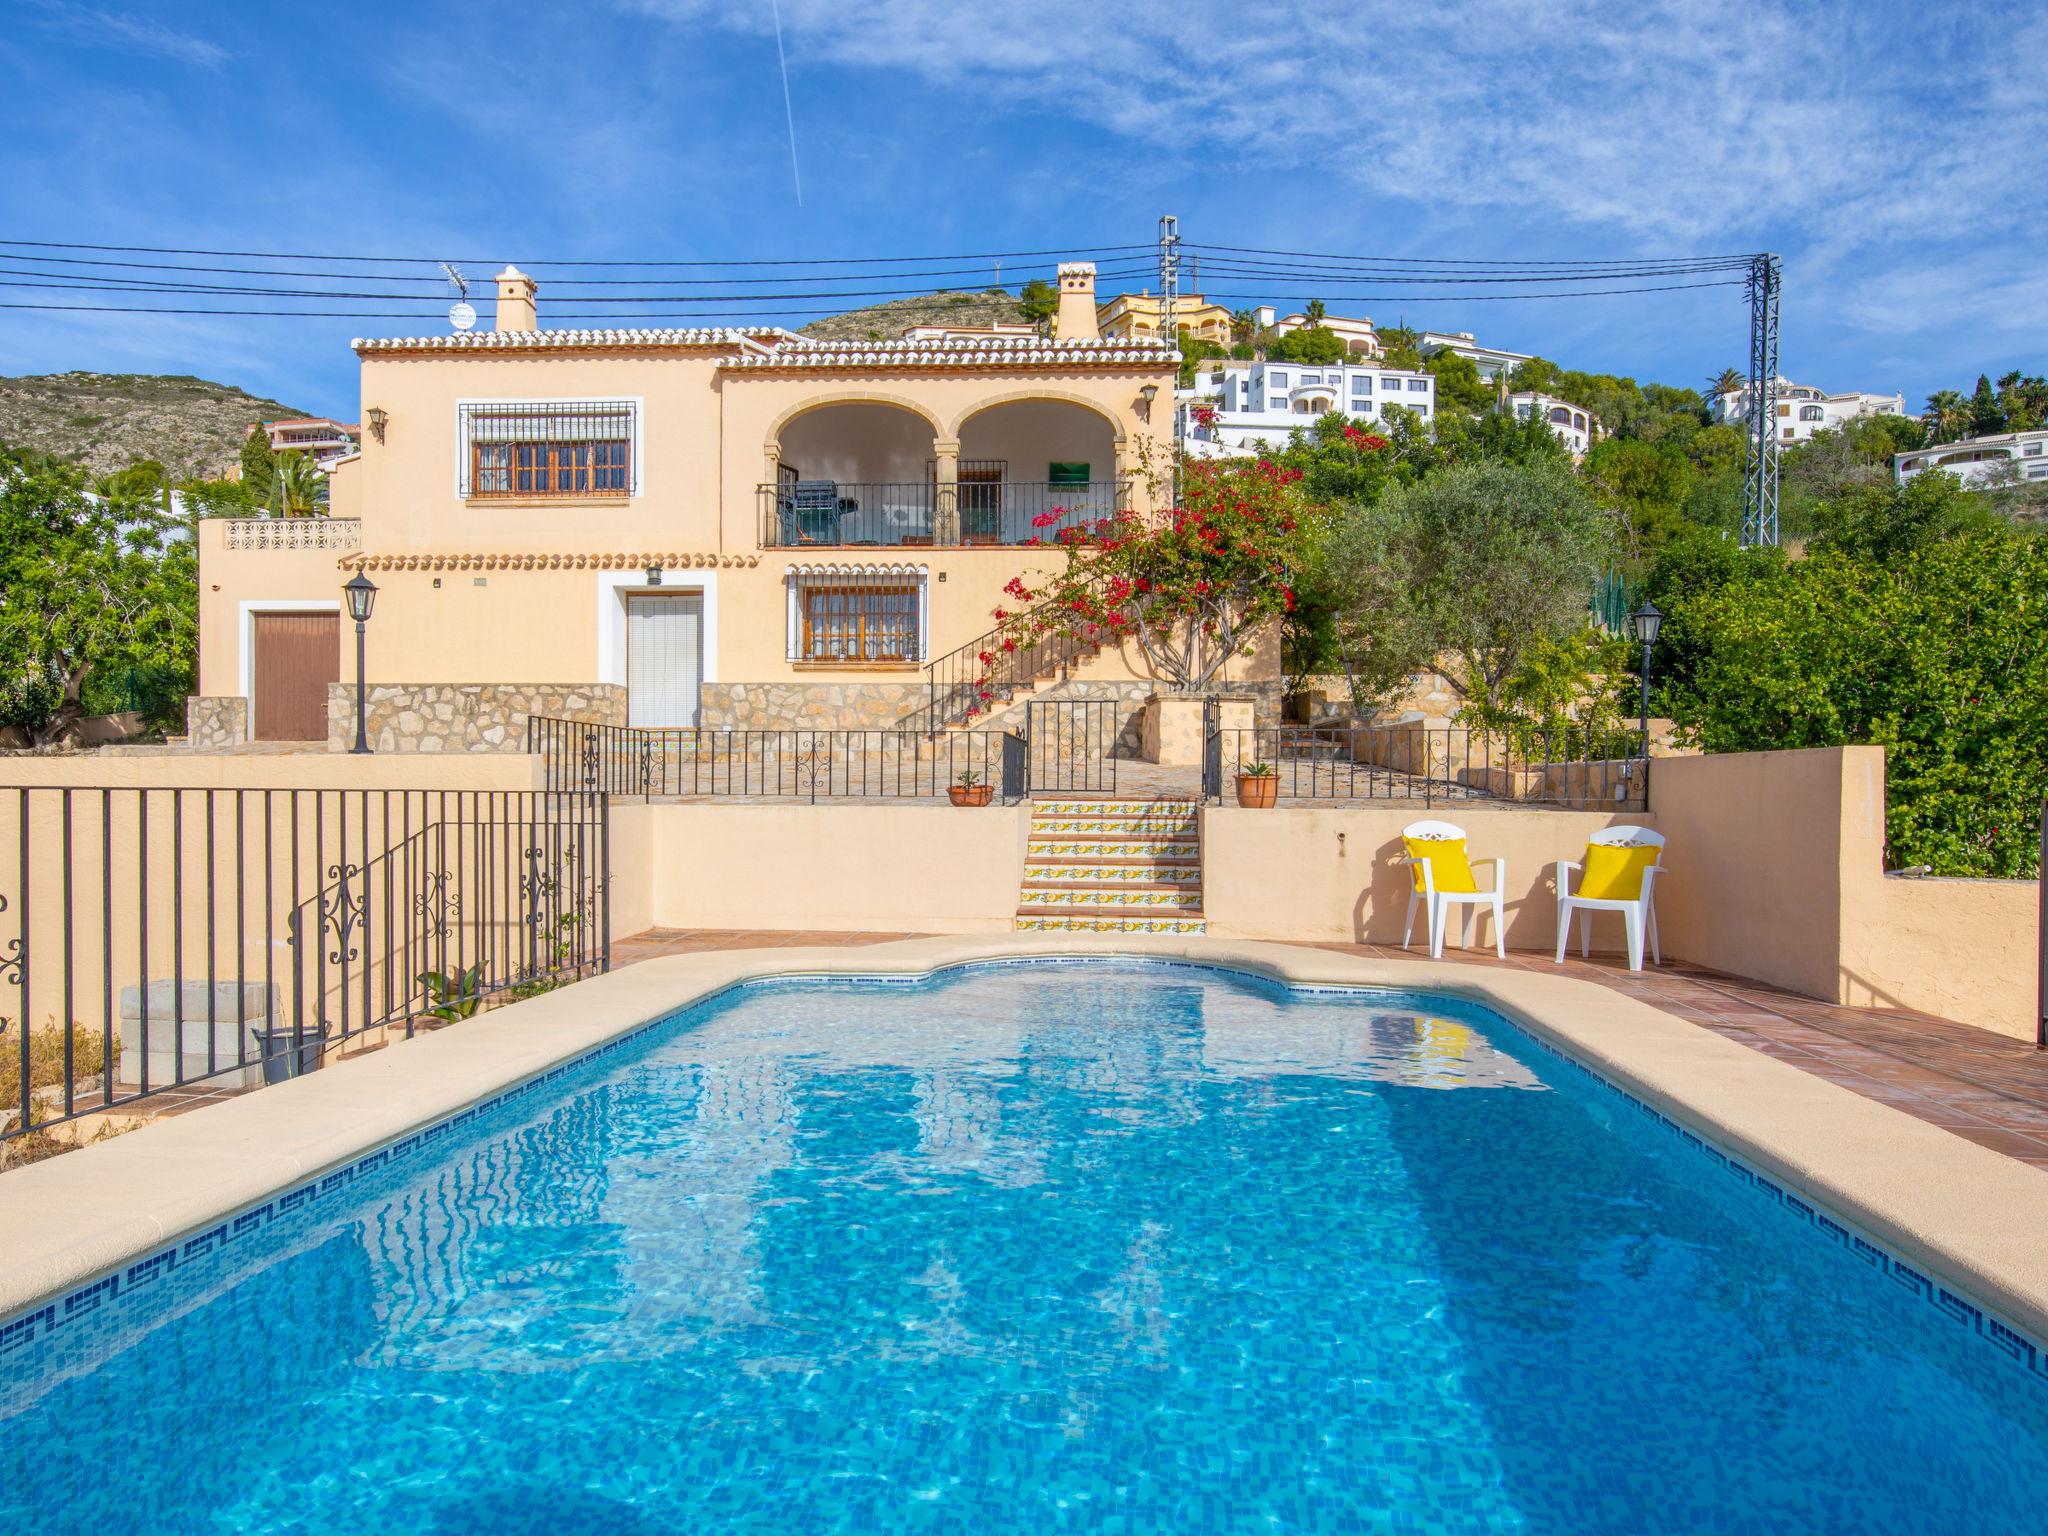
(954, 683)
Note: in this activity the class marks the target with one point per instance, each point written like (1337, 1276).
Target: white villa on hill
(1491, 361)
(1236, 405)
(1571, 424)
(1804, 410)
(1981, 460)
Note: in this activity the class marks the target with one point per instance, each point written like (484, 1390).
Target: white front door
(664, 657)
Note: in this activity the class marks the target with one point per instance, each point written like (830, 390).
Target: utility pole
(1169, 323)
(1760, 457)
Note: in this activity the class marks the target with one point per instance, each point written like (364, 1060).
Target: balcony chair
(1618, 874)
(1443, 878)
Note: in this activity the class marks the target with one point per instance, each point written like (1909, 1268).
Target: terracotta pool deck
(1986, 1088)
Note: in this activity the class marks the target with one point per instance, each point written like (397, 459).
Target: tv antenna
(462, 313)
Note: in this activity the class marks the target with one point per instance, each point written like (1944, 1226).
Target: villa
(1570, 424)
(711, 528)
(1994, 458)
(1238, 407)
(1804, 410)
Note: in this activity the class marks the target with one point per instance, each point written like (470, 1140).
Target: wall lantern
(378, 417)
(654, 575)
(1146, 396)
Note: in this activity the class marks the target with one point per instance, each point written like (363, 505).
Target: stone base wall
(808, 706)
(216, 721)
(464, 717)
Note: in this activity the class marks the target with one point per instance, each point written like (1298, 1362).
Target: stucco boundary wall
(1971, 1218)
(1778, 874)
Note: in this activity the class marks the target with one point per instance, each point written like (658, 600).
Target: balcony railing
(294, 533)
(839, 513)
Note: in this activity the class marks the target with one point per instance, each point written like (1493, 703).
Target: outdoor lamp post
(361, 593)
(1644, 624)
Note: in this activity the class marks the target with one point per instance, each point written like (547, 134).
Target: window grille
(857, 615)
(548, 449)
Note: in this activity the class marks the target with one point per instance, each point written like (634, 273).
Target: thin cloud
(134, 34)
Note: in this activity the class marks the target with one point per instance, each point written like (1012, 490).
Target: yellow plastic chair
(1618, 874)
(1443, 878)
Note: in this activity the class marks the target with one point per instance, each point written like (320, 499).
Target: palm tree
(1242, 324)
(300, 489)
(1728, 381)
(1316, 311)
(1947, 415)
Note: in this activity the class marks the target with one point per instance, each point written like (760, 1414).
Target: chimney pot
(1076, 318)
(516, 308)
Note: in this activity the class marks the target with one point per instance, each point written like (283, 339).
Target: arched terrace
(843, 472)
(1029, 466)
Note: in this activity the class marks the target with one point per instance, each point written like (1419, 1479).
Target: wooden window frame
(547, 470)
(856, 623)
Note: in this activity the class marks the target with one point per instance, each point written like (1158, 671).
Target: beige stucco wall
(477, 592)
(1327, 872)
(1778, 874)
(839, 868)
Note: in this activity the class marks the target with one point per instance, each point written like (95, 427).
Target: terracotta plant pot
(970, 794)
(1258, 791)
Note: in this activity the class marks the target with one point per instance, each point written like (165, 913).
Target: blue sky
(1893, 153)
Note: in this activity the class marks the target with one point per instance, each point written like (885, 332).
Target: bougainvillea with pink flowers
(1190, 586)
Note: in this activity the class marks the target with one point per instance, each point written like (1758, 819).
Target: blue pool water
(1098, 1248)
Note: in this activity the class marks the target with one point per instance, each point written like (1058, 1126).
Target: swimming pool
(1088, 1247)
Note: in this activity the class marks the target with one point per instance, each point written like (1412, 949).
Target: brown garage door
(297, 655)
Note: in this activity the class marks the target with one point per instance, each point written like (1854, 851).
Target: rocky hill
(107, 421)
(886, 322)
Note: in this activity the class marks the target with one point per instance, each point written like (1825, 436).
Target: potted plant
(1258, 786)
(970, 790)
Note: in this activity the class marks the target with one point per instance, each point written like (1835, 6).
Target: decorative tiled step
(1077, 923)
(1082, 805)
(1107, 896)
(1177, 872)
(1069, 850)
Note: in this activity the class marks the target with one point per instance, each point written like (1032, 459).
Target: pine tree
(1985, 415)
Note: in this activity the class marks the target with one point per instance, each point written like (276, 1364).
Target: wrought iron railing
(835, 513)
(1598, 768)
(191, 940)
(961, 685)
(1073, 744)
(840, 513)
(689, 763)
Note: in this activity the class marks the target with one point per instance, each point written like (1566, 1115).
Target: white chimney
(1263, 317)
(1077, 302)
(516, 309)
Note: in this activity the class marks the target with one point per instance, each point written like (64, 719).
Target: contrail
(788, 111)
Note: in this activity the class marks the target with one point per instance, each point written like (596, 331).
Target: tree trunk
(63, 722)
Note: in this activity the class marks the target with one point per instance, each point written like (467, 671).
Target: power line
(1072, 252)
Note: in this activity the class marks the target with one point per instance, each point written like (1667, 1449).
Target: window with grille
(857, 617)
(549, 449)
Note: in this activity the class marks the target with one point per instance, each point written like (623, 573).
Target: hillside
(107, 421)
(886, 322)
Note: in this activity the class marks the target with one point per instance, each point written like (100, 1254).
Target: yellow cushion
(1614, 873)
(1449, 866)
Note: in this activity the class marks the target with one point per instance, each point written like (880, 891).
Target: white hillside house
(1239, 407)
(1804, 410)
(1998, 458)
(1573, 425)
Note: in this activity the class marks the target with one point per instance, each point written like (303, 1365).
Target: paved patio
(1986, 1088)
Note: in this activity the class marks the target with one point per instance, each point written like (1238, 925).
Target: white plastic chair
(1638, 914)
(1437, 903)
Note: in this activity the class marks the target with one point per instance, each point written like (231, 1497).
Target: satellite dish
(461, 315)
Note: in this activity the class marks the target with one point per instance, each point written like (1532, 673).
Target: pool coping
(1971, 1223)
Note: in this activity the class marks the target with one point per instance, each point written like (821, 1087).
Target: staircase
(1113, 866)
